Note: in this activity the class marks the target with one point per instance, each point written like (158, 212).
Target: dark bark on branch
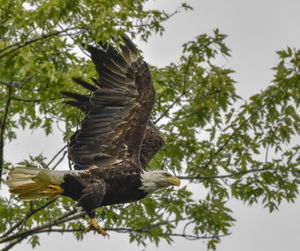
(3, 125)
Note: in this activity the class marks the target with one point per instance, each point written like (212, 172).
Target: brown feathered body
(117, 185)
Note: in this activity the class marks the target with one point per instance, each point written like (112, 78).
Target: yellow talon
(94, 224)
(53, 191)
(57, 189)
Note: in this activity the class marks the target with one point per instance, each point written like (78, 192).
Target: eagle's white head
(154, 180)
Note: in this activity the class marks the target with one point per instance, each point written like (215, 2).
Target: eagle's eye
(167, 175)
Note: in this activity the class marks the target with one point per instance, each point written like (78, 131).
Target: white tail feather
(31, 183)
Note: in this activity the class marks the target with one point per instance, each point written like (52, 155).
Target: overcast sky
(255, 29)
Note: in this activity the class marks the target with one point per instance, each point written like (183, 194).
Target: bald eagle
(115, 143)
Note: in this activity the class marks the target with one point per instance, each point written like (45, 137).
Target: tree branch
(65, 218)
(129, 230)
(13, 243)
(119, 230)
(47, 228)
(166, 18)
(3, 124)
(31, 100)
(198, 177)
(27, 216)
(20, 45)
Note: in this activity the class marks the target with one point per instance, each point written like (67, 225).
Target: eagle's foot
(53, 191)
(94, 224)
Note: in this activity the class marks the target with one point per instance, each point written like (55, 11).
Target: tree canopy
(226, 146)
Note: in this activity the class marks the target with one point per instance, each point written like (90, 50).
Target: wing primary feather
(95, 81)
(134, 54)
(125, 53)
(114, 54)
(100, 56)
(85, 84)
(78, 97)
(109, 49)
(80, 105)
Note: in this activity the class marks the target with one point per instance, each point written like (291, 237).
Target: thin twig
(55, 156)
(20, 45)
(17, 84)
(232, 135)
(267, 152)
(60, 160)
(198, 177)
(184, 91)
(32, 100)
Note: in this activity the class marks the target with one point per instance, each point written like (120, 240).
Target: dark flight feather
(117, 114)
(85, 84)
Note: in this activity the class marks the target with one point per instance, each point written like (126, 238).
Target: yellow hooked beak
(174, 180)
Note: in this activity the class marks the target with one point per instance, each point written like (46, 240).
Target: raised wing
(116, 114)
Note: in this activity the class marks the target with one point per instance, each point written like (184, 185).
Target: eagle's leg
(53, 191)
(91, 199)
(94, 224)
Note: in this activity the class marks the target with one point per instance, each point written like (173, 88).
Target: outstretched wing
(116, 114)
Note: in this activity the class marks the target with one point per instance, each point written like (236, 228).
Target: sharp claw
(53, 191)
(94, 224)
(88, 228)
(57, 189)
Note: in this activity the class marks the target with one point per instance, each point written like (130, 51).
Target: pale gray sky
(255, 29)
